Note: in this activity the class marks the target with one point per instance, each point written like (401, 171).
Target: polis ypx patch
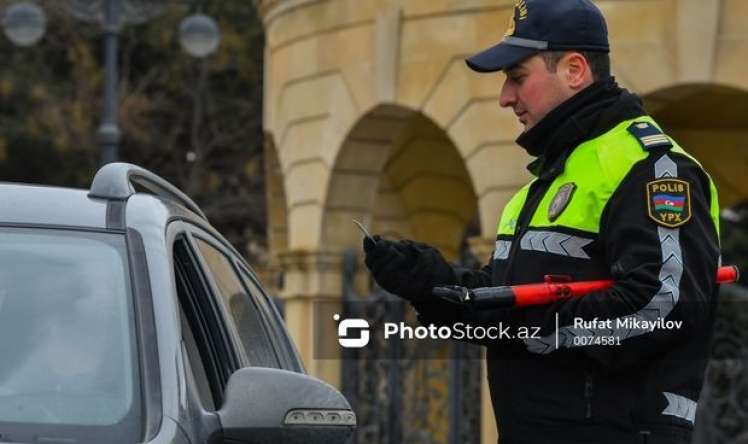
(669, 202)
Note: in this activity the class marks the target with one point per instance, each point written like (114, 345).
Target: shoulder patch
(649, 136)
(669, 202)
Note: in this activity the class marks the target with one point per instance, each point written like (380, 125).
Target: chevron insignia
(502, 249)
(555, 243)
(680, 406)
(649, 136)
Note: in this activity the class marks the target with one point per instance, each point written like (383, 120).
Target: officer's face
(532, 91)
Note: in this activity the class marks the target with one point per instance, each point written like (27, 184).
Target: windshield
(66, 337)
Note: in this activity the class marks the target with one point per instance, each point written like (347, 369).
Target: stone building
(371, 114)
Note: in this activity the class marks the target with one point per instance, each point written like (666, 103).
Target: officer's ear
(575, 70)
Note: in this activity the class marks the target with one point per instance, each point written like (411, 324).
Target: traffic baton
(555, 288)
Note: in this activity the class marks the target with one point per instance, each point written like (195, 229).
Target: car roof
(26, 204)
(101, 207)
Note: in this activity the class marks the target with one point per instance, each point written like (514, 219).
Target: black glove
(386, 263)
(406, 268)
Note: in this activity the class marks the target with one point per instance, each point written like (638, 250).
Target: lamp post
(109, 133)
(24, 24)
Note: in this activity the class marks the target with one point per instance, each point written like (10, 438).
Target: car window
(206, 339)
(203, 381)
(289, 357)
(66, 335)
(239, 308)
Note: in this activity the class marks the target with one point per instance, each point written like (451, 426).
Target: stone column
(313, 284)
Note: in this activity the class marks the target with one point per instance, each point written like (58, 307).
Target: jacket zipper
(589, 387)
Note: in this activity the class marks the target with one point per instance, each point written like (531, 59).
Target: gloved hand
(406, 268)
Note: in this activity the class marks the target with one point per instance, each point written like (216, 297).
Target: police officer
(612, 196)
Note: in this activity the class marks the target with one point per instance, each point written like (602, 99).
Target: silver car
(125, 318)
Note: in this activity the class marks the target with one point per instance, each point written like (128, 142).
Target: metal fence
(408, 391)
(722, 415)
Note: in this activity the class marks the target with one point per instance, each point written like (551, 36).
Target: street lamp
(24, 24)
(199, 35)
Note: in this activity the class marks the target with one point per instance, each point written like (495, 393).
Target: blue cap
(545, 25)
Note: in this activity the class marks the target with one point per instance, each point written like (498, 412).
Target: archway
(277, 216)
(276, 198)
(401, 175)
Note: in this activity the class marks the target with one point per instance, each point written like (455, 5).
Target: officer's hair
(599, 62)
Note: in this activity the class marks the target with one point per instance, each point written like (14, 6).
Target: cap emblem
(522, 8)
(519, 11)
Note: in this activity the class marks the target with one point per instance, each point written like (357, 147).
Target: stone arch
(276, 198)
(400, 174)
(711, 122)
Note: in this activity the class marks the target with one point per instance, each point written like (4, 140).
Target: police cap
(545, 25)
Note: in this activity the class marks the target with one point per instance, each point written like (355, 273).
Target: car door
(229, 330)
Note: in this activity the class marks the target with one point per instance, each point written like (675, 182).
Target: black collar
(588, 114)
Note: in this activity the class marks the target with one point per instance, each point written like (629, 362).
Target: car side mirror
(266, 405)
